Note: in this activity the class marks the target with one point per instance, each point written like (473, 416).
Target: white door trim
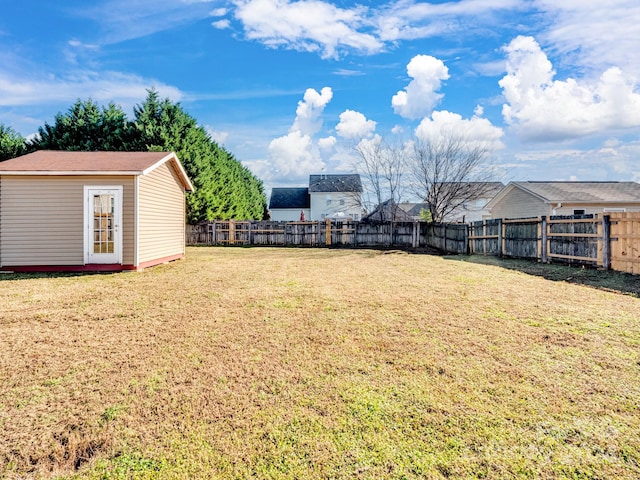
(114, 257)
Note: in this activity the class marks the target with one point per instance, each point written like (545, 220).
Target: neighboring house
(388, 211)
(335, 196)
(414, 210)
(532, 199)
(90, 211)
(290, 204)
(329, 196)
(473, 198)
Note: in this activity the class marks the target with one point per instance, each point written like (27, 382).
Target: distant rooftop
(289, 198)
(584, 191)
(335, 183)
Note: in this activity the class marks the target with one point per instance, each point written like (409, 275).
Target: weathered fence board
(450, 238)
(608, 241)
(625, 242)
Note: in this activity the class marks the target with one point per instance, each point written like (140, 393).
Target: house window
(342, 201)
(328, 202)
(578, 211)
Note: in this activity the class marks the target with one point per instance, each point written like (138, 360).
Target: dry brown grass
(285, 363)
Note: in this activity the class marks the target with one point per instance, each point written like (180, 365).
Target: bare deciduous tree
(383, 167)
(450, 171)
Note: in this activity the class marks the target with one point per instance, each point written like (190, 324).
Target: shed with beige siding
(91, 211)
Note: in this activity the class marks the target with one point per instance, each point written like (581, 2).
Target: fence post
(466, 240)
(327, 239)
(414, 238)
(213, 234)
(543, 239)
(444, 235)
(606, 242)
(501, 232)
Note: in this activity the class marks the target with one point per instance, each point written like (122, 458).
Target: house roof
(60, 162)
(289, 198)
(414, 209)
(388, 210)
(580, 192)
(335, 183)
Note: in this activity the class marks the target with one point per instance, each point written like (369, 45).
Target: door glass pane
(103, 226)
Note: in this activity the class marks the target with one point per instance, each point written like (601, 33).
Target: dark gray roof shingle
(335, 183)
(289, 198)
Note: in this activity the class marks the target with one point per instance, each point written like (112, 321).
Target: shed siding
(43, 218)
(161, 215)
(519, 204)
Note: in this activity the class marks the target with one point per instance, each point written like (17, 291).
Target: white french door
(103, 224)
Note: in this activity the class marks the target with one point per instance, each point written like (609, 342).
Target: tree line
(224, 188)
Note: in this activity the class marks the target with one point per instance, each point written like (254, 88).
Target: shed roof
(335, 183)
(289, 198)
(583, 192)
(60, 162)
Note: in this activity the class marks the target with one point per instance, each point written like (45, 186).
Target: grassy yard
(315, 363)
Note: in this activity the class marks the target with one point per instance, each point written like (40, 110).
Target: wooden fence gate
(625, 242)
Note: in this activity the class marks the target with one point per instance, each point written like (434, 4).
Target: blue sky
(291, 87)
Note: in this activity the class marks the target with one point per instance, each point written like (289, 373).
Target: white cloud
(78, 44)
(295, 155)
(219, 12)
(221, 24)
(306, 25)
(355, 125)
(408, 20)
(102, 87)
(309, 112)
(216, 135)
(421, 95)
(343, 72)
(612, 160)
(122, 20)
(327, 143)
(595, 35)
(476, 130)
(540, 108)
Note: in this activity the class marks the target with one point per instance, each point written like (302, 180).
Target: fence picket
(608, 241)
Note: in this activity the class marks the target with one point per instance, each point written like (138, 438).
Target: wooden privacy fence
(451, 238)
(607, 241)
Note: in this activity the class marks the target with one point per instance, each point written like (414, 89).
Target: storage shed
(91, 211)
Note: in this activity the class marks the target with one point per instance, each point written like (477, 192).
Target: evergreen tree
(224, 188)
(86, 127)
(12, 144)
